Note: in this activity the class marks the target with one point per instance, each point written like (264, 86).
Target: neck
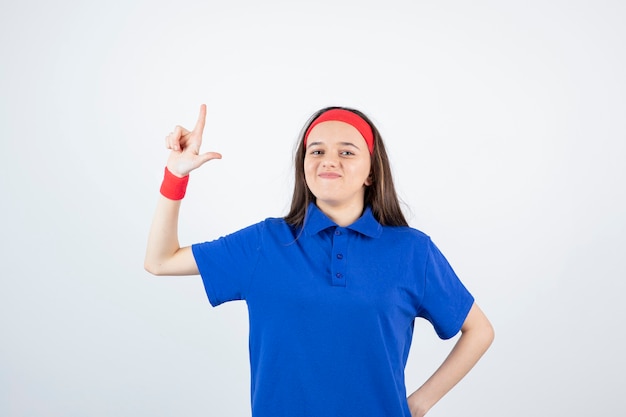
(342, 215)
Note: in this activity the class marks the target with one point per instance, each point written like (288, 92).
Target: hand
(185, 146)
(416, 408)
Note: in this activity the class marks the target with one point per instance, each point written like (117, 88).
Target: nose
(329, 160)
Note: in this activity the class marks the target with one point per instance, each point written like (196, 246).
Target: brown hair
(381, 195)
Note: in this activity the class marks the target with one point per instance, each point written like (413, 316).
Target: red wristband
(174, 187)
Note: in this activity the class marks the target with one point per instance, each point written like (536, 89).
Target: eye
(316, 152)
(346, 153)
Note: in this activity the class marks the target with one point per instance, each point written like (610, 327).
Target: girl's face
(337, 165)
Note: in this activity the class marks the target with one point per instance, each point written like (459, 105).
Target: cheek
(309, 168)
(366, 171)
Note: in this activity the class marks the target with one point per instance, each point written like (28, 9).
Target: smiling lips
(329, 175)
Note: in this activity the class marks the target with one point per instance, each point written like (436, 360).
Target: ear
(368, 180)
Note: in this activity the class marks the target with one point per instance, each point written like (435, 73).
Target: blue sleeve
(226, 265)
(446, 301)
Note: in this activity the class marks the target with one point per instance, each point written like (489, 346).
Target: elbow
(149, 268)
(152, 268)
(479, 327)
(482, 337)
(486, 334)
(485, 330)
(489, 334)
(481, 332)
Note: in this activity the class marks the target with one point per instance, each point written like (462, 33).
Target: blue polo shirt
(331, 310)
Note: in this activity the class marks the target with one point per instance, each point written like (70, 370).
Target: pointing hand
(185, 146)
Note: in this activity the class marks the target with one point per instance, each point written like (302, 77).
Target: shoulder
(406, 234)
(277, 228)
(271, 225)
(404, 241)
(253, 237)
(274, 224)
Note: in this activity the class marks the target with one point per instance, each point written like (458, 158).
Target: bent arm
(476, 337)
(164, 256)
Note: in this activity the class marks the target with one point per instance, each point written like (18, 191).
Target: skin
(337, 169)
(476, 336)
(164, 256)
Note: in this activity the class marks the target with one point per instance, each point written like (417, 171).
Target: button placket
(338, 261)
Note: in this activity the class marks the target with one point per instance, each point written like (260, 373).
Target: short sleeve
(446, 301)
(226, 265)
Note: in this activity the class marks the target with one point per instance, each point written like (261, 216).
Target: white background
(505, 124)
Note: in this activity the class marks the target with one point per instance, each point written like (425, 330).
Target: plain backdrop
(505, 123)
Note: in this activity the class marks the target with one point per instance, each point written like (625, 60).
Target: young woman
(334, 287)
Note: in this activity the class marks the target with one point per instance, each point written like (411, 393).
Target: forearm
(164, 256)
(475, 339)
(163, 243)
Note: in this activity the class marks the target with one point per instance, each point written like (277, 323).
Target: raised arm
(476, 337)
(164, 256)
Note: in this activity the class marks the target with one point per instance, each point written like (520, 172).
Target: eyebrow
(340, 143)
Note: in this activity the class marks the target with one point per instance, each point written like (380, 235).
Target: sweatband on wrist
(346, 116)
(174, 187)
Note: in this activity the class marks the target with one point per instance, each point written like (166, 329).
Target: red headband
(346, 116)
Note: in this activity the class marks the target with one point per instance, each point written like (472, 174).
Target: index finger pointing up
(201, 118)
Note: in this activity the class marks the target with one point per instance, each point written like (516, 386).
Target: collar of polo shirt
(316, 221)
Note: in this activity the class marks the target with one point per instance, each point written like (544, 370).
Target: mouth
(329, 175)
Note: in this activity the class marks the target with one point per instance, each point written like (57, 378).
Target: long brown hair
(381, 195)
